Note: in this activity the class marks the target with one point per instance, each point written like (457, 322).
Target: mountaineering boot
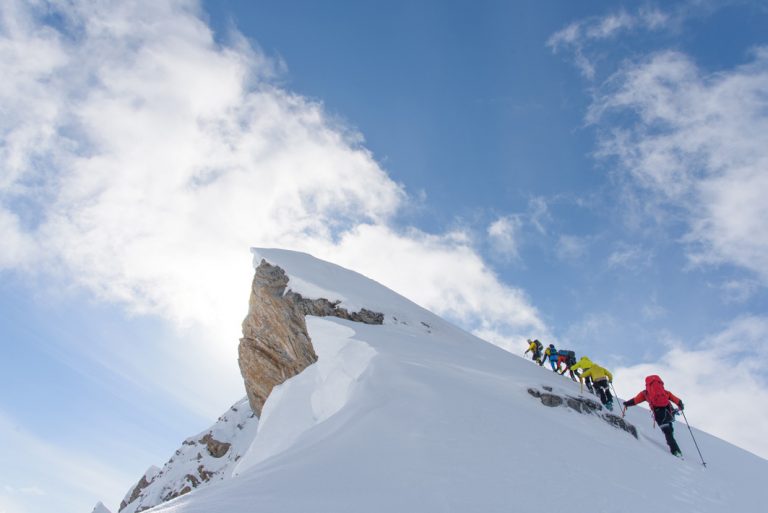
(678, 454)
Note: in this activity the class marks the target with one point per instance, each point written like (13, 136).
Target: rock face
(207, 457)
(582, 405)
(275, 344)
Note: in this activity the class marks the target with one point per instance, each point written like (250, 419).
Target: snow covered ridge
(276, 345)
(418, 415)
(201, 460)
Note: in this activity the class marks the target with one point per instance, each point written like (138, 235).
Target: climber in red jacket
(660, 401)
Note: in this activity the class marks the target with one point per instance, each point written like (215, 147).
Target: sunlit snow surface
(419, 416)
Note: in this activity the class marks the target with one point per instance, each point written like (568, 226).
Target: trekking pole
(617, 397)
(614, 390)
(694, 438)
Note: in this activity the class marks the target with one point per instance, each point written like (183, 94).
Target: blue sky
(591, 173)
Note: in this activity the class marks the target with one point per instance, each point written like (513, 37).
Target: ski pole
(694, 438)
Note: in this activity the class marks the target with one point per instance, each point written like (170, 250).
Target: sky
(592, 174)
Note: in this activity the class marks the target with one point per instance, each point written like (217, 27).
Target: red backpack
(655, 394)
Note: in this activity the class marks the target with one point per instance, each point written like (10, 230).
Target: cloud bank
(142, 158)
(696, 142)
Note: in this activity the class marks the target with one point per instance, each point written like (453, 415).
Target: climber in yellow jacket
(534, 347)
(583, 365)
(601, 378)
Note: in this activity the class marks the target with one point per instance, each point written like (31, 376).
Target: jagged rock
(322, 307)
(215, 448)
(144, 482)
(205, 475)
(275, 344)
(620, 423)
(202, 459)
(583, 405)
(551, 400)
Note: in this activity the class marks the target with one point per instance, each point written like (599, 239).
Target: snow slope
(418, 415)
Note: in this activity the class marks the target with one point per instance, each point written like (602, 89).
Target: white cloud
(572, 247)
(739, 291)
(538, 214)
(720, 381)
(145, 158)
(442, 273)
(504, 235)
(577, 37)
(697, 142)
(630, 257)
(653, 310)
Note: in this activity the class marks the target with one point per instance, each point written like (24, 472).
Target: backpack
(655, 393)
(570, 356)
(538, 345)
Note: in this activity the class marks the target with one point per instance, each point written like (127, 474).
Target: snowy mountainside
(418, 415)
(201, 460)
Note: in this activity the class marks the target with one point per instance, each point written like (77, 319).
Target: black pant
(603, 392)
(664, 418)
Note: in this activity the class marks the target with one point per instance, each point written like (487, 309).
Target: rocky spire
(275, 344)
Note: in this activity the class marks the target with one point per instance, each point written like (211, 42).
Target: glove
(627, 404)
(681, 406)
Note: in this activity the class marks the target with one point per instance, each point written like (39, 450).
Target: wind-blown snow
(419, 416)
(314, 395)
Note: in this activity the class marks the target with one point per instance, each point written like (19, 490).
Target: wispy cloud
(736, 352)
(504, 235)
(572, 248)
(739, 291)
(630, 257)
(576, 38)
(697, 142)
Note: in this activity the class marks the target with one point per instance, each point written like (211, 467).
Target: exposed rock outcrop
(275, 344)
(143, 483)
(582, 405)
(215, 448)
(208, 457)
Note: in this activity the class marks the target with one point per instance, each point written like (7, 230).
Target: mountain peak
(415, 414)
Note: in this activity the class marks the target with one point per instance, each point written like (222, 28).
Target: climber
(583, 365)
(601, 379)
(660, 401)
(535, 347)
(567, 358)
(550, 353)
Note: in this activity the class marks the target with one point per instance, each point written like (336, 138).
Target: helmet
(551, 346)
